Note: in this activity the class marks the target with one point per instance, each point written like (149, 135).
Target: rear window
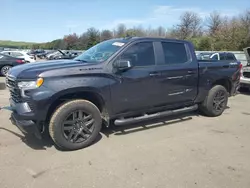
(174, 53)
(230, 57)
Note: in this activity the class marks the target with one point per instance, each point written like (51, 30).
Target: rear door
(178, 77)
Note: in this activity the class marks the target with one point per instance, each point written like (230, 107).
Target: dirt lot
(190, 151)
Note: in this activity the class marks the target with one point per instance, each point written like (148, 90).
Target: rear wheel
(216, 101)
(75, 125)
(5, 69)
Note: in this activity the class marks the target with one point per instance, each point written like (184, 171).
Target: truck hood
(51, 68)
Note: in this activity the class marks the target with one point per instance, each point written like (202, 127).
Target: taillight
(20, 61)
(241, 70)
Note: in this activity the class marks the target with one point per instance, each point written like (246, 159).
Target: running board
(120, 122)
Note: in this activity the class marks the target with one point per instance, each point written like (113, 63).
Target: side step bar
(120, 122)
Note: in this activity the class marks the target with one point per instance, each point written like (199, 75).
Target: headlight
(30, 84)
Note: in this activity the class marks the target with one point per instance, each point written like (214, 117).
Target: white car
(20, 54)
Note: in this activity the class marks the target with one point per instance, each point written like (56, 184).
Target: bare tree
(121, 30)
(161, 31)
(105, 35)
(245, 20)
(214, 22)
(190, 25)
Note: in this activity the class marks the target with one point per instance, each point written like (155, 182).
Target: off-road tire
(56, 123)
(207, 108)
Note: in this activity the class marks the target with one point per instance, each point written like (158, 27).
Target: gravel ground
(188, 151)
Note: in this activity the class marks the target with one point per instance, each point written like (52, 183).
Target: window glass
(102, 51)
(140, 54)
(16, 54)
(230, 57)
(214, 57)
(175, 53)
(222, 56)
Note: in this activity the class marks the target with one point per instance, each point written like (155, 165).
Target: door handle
(191, 72)
(154, 74)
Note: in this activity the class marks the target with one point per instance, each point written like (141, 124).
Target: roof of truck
(152, 38)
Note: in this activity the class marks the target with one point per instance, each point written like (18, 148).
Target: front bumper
(26, 126)
(21, 117)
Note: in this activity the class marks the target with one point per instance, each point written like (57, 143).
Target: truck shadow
(45, 143)
(32, 141)
(40, 144)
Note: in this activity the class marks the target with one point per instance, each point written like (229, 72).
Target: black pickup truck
(120, 81)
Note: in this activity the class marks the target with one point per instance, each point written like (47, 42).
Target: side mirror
(122, 64)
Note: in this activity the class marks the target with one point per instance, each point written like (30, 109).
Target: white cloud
(174, 13)
(161, 15)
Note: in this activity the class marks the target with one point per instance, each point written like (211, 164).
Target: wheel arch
(77, 93)
(225, 82)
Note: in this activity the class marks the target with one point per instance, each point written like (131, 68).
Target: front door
(137, 88)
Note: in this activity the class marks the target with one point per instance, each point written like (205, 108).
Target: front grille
(11, 83)
(15, 95)
(15, 92)
(246, 74)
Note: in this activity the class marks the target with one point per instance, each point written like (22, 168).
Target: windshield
(101, 51)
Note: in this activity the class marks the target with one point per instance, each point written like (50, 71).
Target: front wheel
(5, 69)
(216, 101)
(75, 125)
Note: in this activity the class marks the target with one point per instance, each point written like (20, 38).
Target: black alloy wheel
(75, 124)
(216, 101)
(78, 126)
(219, 100)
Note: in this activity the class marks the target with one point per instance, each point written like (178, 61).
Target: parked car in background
(53, 54)
(120, 81)
(63, 54)
(20, 54)
(7, 62)
(203, 55)
(224, 56)
(245, 76)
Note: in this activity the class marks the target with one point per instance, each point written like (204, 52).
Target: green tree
(204, 44)
(93, 37)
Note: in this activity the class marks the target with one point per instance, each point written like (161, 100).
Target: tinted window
(175, 53)
(230, 57)
(140, 54)
(222, 57)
